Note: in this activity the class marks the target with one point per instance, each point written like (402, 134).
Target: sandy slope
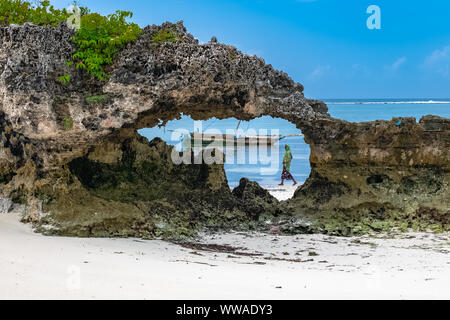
(283, 193)
(253, 266)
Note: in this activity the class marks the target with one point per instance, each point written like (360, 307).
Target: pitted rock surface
(370, 172)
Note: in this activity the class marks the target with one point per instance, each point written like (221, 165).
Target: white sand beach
(166, 118)
(283, 193)
(224, 266)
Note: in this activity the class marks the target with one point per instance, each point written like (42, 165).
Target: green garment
(287, 159)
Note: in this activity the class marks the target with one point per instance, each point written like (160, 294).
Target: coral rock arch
(72, 156)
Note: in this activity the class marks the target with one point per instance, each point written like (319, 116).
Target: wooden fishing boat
(223, 140)
(202, 140)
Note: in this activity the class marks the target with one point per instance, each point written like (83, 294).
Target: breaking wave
(388, 102)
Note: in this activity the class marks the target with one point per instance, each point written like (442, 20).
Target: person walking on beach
(287, 159)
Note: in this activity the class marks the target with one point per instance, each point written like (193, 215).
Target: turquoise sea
(267, 169)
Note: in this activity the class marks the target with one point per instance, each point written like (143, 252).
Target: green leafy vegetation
(101, 38)
(64, 79)
(98, 41)
(68, 123)
(96, 100)
(166, 35)
(20, 12)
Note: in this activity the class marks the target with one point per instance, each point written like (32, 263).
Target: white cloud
(396, 65)
(319, 72)
(439, 61)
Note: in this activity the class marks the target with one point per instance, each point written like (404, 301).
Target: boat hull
(230, 141)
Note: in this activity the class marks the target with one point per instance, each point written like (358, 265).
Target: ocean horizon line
(388, 101)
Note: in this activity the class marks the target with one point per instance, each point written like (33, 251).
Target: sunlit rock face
(71, 154)
(378, 175)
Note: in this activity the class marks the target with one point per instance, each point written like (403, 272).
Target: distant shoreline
(388, 101)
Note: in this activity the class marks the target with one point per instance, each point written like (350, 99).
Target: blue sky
(323, 44)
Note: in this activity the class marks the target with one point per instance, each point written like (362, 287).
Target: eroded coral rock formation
(378, 175)
(132, 187)
(71, 153)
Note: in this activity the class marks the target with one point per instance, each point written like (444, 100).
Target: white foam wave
(386, 102)
(301, 157)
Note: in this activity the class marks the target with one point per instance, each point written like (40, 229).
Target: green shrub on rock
(68, 123)
(20, 12)
(101, 38)
(166, 35)
(98, 41)
(96, 100)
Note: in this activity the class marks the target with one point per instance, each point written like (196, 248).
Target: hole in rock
(253, 149)
(376, 179)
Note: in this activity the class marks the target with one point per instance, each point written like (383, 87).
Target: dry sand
(224, 266)
(285, 192)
